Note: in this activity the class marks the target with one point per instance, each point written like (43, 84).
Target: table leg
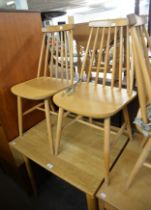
(91, 202)
(30, 174)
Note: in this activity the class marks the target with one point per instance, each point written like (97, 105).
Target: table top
(80, 161)
(138, 195)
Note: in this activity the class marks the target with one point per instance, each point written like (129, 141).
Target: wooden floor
(80, 161)
(138, 196)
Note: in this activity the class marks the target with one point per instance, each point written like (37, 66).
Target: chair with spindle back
(101, 101)
(140, 47)
(55, 73)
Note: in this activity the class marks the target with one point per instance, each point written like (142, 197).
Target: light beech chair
(101, 101)
(55, 73)
(141, 46)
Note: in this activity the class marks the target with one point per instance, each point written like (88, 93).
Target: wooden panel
(20, 40)
(81, 33)
(117, 196)
(80, 161)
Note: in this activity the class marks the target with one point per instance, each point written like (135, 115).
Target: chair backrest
(108, 51)
(56, 56)
(140, 47)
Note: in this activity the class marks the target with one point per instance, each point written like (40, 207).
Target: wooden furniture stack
(83, 151)
(81, 158)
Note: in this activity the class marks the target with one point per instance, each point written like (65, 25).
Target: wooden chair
(101, 101)
(54, 74)
(140, 46)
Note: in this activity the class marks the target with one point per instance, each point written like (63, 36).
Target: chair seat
(40, 88)
(93, 100)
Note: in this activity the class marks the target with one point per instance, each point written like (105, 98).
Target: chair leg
(58, 132)
(144, 141)
(51, 105)
(49, 128)
(90, 120)
(107, 148)
(140, 162)
(128, 124)
(20, 115)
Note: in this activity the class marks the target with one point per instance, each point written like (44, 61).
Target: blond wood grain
(86, 53)
(127, 121)
(59, 28)
(114, 58)
(51, 78)
(109, 22)
(81, 161)
(140, 88)
(46, 58)
(40, 88)
(52, 53)
(49, 125)
(100, 55)
(96, 101)
(59, 127)
(121, 57)
(93, 54)
(107, 148)
(91, 202)
(57, 53)
(142, 69)
(107, 55)
(71, 19)
(70, 40)
(140, 162)
(41, 55)
(66, 56)
(117, 195)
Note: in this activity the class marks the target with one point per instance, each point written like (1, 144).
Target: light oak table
(117, 196)
(81, 161)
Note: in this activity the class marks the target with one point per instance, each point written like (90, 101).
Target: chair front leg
(58, 132)
(49, 127)
(107, 149)
(20, 115)
(127, 121)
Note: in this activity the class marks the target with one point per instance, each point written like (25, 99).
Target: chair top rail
(109, 23)
(58, 28)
